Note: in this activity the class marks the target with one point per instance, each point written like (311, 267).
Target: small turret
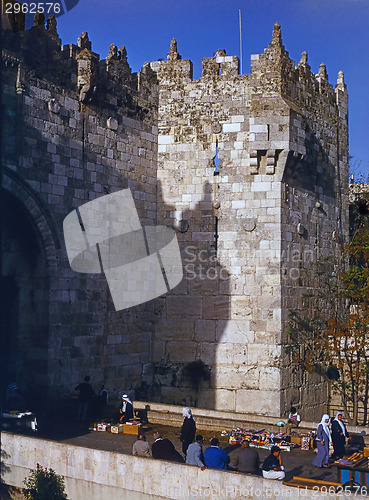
(87, 68)
(39, 20)
(341, 81)
(277, 35)
(83, 42)
(322, 74)
(304, 60)
(173, 53)
(113, 53)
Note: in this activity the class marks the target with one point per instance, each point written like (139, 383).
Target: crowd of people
(247, 460)
(214, 457)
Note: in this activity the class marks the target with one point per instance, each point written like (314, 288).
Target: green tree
(44, 484)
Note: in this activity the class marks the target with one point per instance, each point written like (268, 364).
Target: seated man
(272, 466)
(247, 459)
(141, 448)
(164, 449)
(126, 409)
(194, 453)
(215, 457)
(293, 421)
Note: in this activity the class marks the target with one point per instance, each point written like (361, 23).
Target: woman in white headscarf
(188, 429)
(323, 439)
(339, 435)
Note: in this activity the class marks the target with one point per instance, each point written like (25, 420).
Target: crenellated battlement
(76, 67)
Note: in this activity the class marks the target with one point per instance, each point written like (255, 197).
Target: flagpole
(239, 18)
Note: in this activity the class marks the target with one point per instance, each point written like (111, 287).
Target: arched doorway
(24, 303)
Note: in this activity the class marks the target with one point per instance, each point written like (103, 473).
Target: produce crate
(131, 429)
(117, 429)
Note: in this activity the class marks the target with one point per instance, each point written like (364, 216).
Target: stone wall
(96, 474)
(252, 172)
(77, 128)
(249, 170)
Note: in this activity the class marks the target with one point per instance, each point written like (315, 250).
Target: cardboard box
(117, 429)
(131, 429)
(366, 451)
(296, 439)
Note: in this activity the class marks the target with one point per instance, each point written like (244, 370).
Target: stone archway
(28, 257)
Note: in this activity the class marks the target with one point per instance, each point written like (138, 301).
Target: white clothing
(274, 474)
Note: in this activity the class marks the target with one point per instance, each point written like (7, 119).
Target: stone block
(228, 377)
(234, 331)
(184, 306)
(208, 353)
(181, 352)
(270, 378)
(259, 354)
(259, 402)
(165, 139)
(205, 330)
(216, 307)
(231, 127)
(224, 354)
(175, 328)
(225, 400)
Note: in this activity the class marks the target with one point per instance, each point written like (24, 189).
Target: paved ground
(61, 428)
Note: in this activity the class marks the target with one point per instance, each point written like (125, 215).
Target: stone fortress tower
(252, 172)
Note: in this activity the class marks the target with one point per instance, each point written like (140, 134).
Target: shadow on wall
(24, 303)
(190, 320)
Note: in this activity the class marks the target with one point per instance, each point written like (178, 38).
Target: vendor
(126, 409)
(293, 421)
(272, 466)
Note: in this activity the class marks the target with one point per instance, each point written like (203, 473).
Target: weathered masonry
(251, 170)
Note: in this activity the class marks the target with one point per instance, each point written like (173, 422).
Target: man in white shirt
(294, 420)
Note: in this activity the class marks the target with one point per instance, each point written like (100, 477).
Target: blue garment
(323, 449)
(216, 458)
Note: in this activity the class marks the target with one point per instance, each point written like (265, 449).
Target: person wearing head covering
(323, 439)
(126, 409)
(188, 430)
(339, 435)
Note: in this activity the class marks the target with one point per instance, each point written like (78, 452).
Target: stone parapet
(96, 474)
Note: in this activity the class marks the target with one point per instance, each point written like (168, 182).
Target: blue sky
(335, 32)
